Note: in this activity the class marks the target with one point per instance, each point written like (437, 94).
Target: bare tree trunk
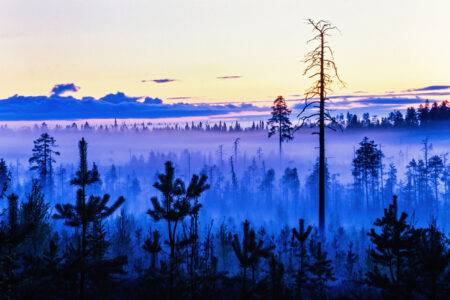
(279, 140)
(83, 248)
(323, 68)
(322, 142)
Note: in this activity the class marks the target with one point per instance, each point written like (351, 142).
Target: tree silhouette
(249, 252)
(366, 166)
(13, 235)
(320, 268)
(85, 213)
(152, 245)
(36, 211)
(178, 202)
(42, 160)
(291, 185)
(392, 248)
(280, 122)
(435, 170)
(432, 262)
(322, 69)
(5, 178)
(300, 236)
(276, 275)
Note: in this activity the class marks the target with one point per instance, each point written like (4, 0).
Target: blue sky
(217, 51)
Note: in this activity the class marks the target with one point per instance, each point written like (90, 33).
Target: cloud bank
(59, 106)
(114, 105)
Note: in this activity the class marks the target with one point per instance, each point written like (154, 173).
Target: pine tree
(276, 278)
(85, 213)
(267, 185)
(121, 239)
(351, 258)
(196, 188)
(36, 211)
(391, 182)
(5, 178)
(391, 250)
(320, 268)
(291, 185)
(432, 263)
(300, 236)
(436, 168)
(178, 202)
(13, 235)
(366, 166)
(43, 159)
(152, 245)
(249, 253)
(280, 123)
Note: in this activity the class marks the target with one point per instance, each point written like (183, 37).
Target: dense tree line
(424, 116)
(143, 127)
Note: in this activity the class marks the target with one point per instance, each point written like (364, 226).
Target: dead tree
(322, 69)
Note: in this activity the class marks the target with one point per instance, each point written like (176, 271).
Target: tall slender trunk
(322, 143)
(83, 247)
(279, 139)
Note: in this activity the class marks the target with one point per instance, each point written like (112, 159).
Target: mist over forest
(367, 165)
(213, 189)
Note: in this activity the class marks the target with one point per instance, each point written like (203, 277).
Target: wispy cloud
(160, 80)
(430, 88)
(179, 98)
(229, 77)
(60, 89)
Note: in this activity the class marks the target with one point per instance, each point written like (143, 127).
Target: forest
(298, 204)
(227, 222)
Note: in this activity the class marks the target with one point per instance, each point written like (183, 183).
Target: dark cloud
(118, 97)
(150, 100)
(116, 105)
(430, 88)
(230, 77)
(160, 80)
(60, 89)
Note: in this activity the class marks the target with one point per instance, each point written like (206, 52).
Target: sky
(217, 50)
